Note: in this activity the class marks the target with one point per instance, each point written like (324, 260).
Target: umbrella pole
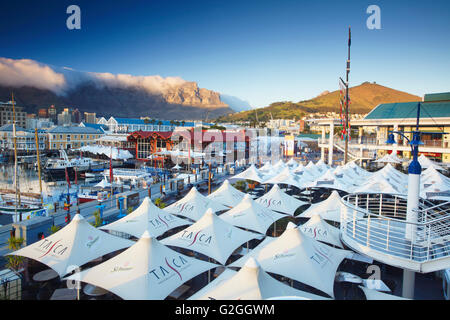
(275, 229)
(209, 272)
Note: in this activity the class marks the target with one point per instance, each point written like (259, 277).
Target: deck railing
(378, 222)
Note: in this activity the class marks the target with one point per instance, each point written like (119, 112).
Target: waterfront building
(124, 125)
(148, 143)
(6, 114)
(118, 140)
(72, 137)
(25, 139)
(373, 130)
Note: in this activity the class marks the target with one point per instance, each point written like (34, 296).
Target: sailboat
(18, 208)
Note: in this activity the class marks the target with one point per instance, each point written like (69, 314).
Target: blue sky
(260, 51)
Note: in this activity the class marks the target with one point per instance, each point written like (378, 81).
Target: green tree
(54, 229)
(159, 203)
(130, 210)
(98, 220)
(14, 262)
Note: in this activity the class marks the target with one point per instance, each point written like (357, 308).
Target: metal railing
(378, 222)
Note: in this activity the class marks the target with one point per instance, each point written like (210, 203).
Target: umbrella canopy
(299, 257)
(251, 173)
(387, 158)
(103, 184)
(279, 201)
(379, 185)
(267, 167)
(319, 229)
(329, 209)
(311, 168)
(286, 177)
(73, 246)
(147, 270)
(426, 163)
(227, 195)
(331, 181)
(251, 215)
(194, 205)
(292, 163)
(250, 283)
(279, 166)
(146, 217)
(377, 295)
(212, 237)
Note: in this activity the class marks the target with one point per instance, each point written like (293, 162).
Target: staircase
(375, 224)
(340, 145)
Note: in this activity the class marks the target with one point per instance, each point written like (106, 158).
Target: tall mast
(16, 180)
(347, 127)
(39, 164)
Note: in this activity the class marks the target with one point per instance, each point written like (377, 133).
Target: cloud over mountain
(26, 72)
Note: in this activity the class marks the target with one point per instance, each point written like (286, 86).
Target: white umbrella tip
(146, 235)
(291, 226)
(247, 197)
(78, 217)
(251, 263)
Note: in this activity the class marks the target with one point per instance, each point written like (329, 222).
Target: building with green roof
(373, 130)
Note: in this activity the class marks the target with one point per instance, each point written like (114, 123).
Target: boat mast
(347, 127)
(16, 180)
(39, 164)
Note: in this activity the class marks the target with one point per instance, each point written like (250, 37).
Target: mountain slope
(36, 85)
(363, 99)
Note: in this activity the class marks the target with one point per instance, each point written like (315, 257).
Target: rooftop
(408, 110)
(61, 129)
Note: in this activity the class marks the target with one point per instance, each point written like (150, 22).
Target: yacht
(56, 168)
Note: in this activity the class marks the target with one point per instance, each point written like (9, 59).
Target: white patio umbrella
(286, 177)
(329, 209)
(279, 166)
(266, 168)
(313, 170)
(320, 230)
(331, 181)
(426, 163)
(72, 246)
(147, 270)
(292, 164)
(146, 217)
(212, 237)
(251, 215)
(194, 205)
(227, 195)
(103, 184)
(277, 200)
(387, 158)
(299, 257)
(249, 283)
(251, 173)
